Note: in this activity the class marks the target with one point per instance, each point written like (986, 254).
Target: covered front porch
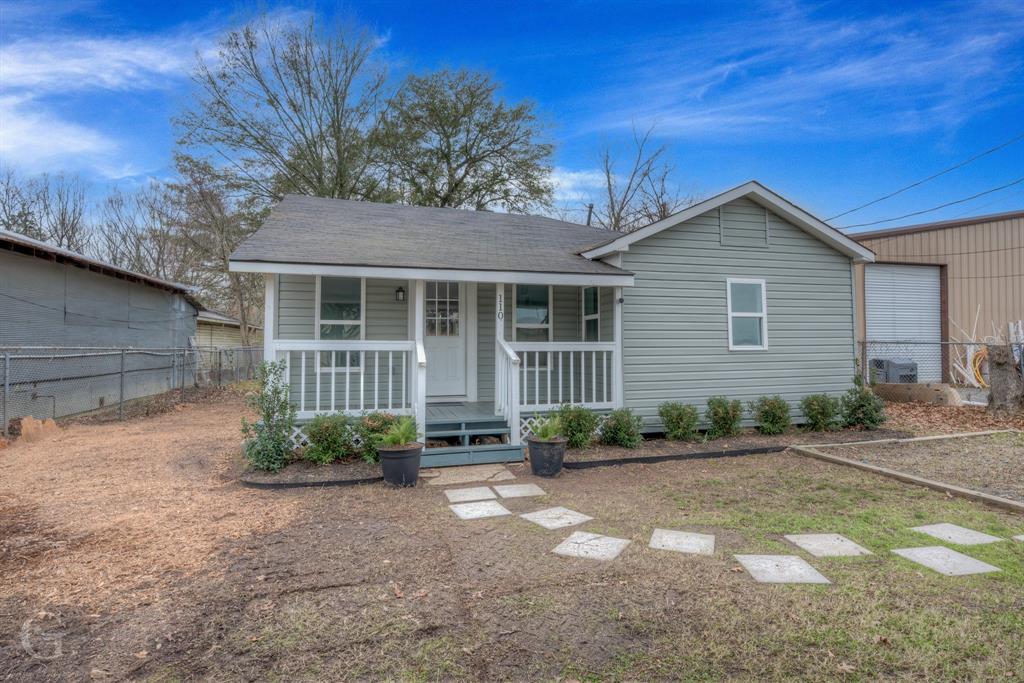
(472, 361)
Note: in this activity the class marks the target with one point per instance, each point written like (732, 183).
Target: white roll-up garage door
(903, 304)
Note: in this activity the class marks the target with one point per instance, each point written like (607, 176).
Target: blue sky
(832, 104)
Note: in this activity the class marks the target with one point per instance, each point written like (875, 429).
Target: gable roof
(207, 315)
(16, 242)
(315, 231)
(938, 225)
(756, 192)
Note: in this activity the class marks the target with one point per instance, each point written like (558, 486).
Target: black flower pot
(401, 465)
(546, 456)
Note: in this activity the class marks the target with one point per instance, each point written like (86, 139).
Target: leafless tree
(140, 231)
(641, 195)
(213, 225)
(288, 108)
(47, 208)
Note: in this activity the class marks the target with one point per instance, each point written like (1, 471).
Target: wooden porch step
(471, 455)
(485, 431)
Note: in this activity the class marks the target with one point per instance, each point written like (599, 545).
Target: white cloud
(576, 186)
(787, 70)
(37, 141)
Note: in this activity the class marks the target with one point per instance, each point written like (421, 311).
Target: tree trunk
(1007, 385)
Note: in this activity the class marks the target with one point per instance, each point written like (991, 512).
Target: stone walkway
(481, 502)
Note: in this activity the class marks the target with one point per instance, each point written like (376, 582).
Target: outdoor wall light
(400, 294)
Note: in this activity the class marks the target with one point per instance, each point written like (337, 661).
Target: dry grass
(155, 565)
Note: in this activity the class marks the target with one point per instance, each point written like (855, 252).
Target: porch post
(617, 388)
(269, 315)
(499, 334)
(420, 367)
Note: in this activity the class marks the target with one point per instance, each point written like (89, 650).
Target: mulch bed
(924, 419)
(992, 464)
(748, 439)
(301, 472)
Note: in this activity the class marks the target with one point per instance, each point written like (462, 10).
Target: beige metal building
(218, 331)
(930, 282)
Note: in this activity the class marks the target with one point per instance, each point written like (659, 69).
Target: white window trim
(533, 326)
(593, 316)
(361, 322)
(763, 315)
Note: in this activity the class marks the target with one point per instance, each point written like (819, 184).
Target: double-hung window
(533, 313)
(748, 317)
(340, 317)
(591, 314)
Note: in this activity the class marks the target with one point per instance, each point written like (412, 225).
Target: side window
(533, 313)
(591, 314)
(748, 319)
(340, 309)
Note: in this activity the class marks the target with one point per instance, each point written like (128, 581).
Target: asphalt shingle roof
(318, 231)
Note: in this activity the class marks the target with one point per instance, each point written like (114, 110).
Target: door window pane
(442, 309)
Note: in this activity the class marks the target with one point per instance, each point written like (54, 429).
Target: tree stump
(1007, 385)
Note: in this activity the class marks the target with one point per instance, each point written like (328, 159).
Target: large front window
(533, 313)
(340, 307)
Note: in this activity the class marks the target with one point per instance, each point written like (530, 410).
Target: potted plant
(547, 447)
(400, 453)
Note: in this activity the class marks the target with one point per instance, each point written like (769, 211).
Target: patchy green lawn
(371, 583)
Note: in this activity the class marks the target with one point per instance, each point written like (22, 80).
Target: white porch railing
(506, 386)
(353, 376)
(553, 373)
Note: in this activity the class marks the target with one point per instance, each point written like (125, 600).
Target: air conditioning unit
(893, 371)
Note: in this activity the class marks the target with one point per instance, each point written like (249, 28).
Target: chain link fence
(909, 362)
(55, 382)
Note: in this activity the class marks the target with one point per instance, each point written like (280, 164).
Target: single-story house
(53, 299)
(934, 282)
(474, 322)
(215, 330)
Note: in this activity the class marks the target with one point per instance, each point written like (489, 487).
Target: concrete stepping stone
(956, 534)
(1019, 538)
(479, 510)
(683, 542)
(946, 560)
(780, 569)
(469, 494)
(591, 546)
(465, 474)
(827, 545)
(519, 490)
(556, 518)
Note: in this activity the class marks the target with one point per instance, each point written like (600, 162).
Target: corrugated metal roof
(12, 240)
(317, 231)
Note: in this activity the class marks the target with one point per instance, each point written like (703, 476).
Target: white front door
(445, 339)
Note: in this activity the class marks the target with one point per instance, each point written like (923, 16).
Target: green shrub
(771, 414)
(821, 411)
(680, 420)
(331, 437)
(400, 433)
(578, 425)
(371, 428)
(622, 428)
(723, 417)
(862, 407)
(268, 440)
(547, 429)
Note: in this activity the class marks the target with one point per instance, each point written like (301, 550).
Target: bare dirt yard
(991, 464)
(130, 551)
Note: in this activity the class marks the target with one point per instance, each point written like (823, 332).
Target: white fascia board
(762, 196)
(496, 276)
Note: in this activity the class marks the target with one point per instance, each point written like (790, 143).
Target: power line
(931, 177)
(936, 208)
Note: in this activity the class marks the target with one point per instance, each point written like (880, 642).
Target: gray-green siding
(675, 344)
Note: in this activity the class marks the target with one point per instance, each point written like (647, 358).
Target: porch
(473, 362)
